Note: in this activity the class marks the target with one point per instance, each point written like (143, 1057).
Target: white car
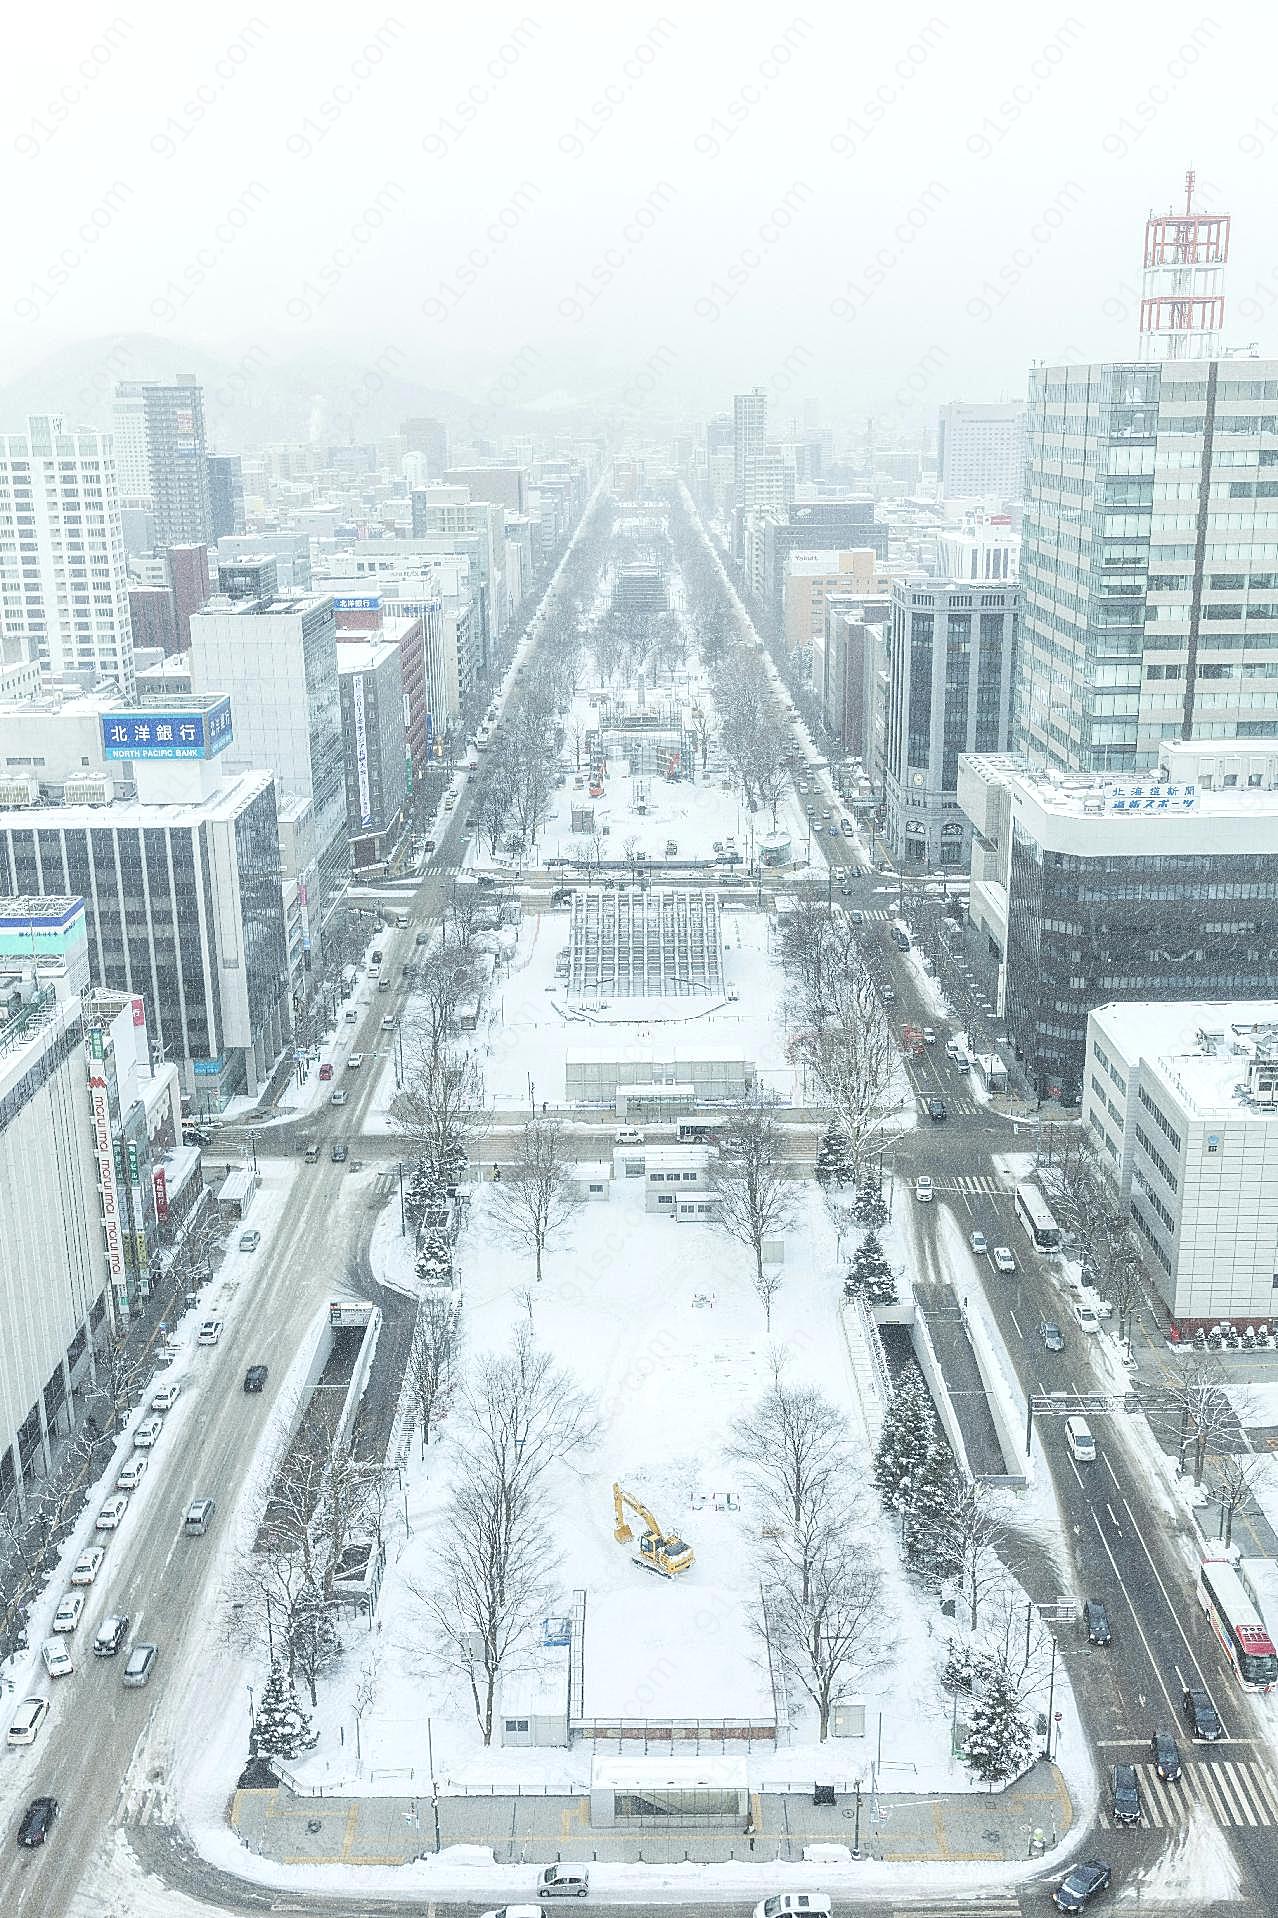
(783, 1903)
(355, 1061)
(339, 1096)
(1087, 1319)
(88, 1565)
(166, 1398)
(67, 1616)
(210, 1332)
(1003, 1260)
(56, 1658)
(250, 1240)
(148, 1432)
(517, 1911)
(923, 1189)
(131, 1475)
(979, 1244)
(112, 1512)
(388, 1023)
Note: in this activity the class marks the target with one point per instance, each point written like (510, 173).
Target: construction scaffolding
(629, 942)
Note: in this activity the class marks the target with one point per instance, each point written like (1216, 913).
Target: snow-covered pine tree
(870, 1208)
(434, 1257)
(281, 1729)
(1000, 1742)
(871, 1275)
(906, 1444)
(418, 1194)
(832, 1162)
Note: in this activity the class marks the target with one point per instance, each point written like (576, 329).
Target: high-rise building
(188, 571)
(951, 650)
(256, 578)
(429, 438)
(132, 466)
(1149, 560)
(226, 495)
(372, 689)
(64, 590)
(151, 613)
(172, 415)
(277, 659)
(749, 441)
(981, 451)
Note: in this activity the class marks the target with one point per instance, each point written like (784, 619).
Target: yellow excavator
(663, 1552)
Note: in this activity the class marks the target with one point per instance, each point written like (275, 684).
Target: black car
(1127, 1805)
(37, 1821)
(1081, 1884)
(936, 1109)
(255, 1378)
(1166, 1754)
(1201, 1714)
(1096, 1621)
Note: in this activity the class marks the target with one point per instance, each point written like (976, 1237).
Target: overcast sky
(899, 206)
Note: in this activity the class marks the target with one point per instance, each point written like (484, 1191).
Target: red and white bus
(1236, 1619)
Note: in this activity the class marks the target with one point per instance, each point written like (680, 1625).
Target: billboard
(361, 751)
(168, 735)
(1151, 796)
(357, 602)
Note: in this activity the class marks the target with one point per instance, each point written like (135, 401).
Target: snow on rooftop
(612, 1773)
(1204, 1048)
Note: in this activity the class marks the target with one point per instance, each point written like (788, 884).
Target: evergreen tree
(871, 1276)
(870, 1208)
(1000, 1742)
(418, 1194)
(908, 1439)
(434, 1257)
(281, 1729)
(833, 1166)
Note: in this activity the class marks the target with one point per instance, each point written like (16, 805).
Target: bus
(698, 1130)
(1237, 1622)
(1034, 1214)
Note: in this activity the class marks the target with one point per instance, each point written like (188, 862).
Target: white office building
(63, 581)
(1182, 1103)
(981, 451)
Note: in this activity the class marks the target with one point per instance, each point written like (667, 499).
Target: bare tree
(521, 1414)
(1206, 1420)
(1233, 1485)
(493, 803)
(795, 1447)
(537, 1194)
(362, 1701)
(432, 1357)
(439, 1108)
(444, 980)
(968, 1537)
(754, 1199)
(822, 1630)
(852, 1057)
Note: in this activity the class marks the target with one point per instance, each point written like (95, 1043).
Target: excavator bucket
(623, 1533)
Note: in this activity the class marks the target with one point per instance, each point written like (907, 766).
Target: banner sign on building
(161, 735)
(361, 750)
(357, 602)
(1151, 796)
(108, 1185)
(161, 1184)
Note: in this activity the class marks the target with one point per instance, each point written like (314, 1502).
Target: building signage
(357, 602)
(209, 1068)
(1151, 796)
(161, 1184)
(161, 735)
(361, 751)
(108, 1185)
(139, 1012)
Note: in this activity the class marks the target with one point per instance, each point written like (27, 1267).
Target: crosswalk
(1235, 1792)
(984, 1907)
(956, 1108)
(977, 1185)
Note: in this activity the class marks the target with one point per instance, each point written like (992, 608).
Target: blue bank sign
(160, 735)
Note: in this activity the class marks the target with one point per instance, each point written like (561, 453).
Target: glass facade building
(1149, 560)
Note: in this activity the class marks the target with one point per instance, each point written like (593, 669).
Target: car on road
(804, 787)
(517, 1911)
(929, 1036)
(166, 1398)
(1003, 1260)
(110, 1635)
(338, 1152)
(88, 1565)
(209, 1333)
(561, 896)
(936, 1110)
(339, 1097)
(1201, 1715)
(428, 845)
(1127, 1808)
(131, 1473)
(355, 1061)
(1053, 1338)
(199, 1516)
(1096, 1622)
(423, 937)
(847, 829)
(113, 1510)
(857, 918)
(979, 1243)
(1081, 1884)
(67, 1616)
(923, 1190)
(1166, 1756)
(783, 1904)
(140, 1664)
(389, 1022)
(1087, 1319)
(37, 1822)
(255, 1378)
(56, 1659)
(628, 1135)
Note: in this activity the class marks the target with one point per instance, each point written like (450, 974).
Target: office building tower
(188, 571)
(749, 441)
(256, 578)
(1090, 890)
(128, 433)
(290, 551)
(64, 591)
(430, 438)
(226, 495)
(1149, 560)
(981, 451)
(277, 659)
(951, 651)
(172, 414)
(376, 752)
(152, 618)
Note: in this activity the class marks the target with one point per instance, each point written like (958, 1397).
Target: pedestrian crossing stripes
(977, 1185)
(961, 1908)
(955, 1108)
(1234, 1792)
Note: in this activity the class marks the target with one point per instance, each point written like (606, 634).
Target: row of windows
(1152, 1153)
(1160, 1119)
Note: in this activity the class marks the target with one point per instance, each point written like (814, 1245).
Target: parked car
(37, 1822)
(923, 1190)
(88, 1565)
(1081, 1884)
(1201, 1714)
(27, 1720)
(1166, 1756)
(255, 1378)
(783, 1903)
(1087, 1319)
(56, 1659)
(326, 1070)
(250, 1240)
(67, 1616)
(1053, 1338)
(113, 1510)
(110, 1635)
(979, 1243)
(209, 1333)
(148, 1432)
(1096, 1621)
(166, 1398)
(1127, 1808)
(1003, 1260)
(561, 896)
(847, 829)
(131, 1473)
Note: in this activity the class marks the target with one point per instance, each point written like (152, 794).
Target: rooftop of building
(1079, 795)
(1204, 1049)
(278, 606)
(225, 802)
(37, 909)
(363, 655)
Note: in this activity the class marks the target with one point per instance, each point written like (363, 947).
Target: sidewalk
(536, 1829)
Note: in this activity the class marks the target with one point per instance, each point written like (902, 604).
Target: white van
(1078, 1437)
(27, 1720)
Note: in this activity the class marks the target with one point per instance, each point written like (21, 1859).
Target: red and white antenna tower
(1182, 307)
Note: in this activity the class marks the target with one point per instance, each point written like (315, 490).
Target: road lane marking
(1135, 1620)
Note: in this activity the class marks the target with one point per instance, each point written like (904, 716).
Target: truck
(992, 1071)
